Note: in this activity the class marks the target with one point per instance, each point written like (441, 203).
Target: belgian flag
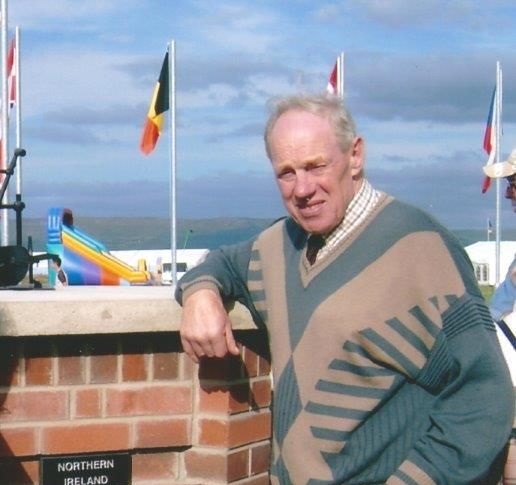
(155, 117)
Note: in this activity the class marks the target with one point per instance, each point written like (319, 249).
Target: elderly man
(385, 360)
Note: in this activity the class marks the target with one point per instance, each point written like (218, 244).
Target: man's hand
(205, 327)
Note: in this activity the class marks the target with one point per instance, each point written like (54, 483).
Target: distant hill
(125, 233)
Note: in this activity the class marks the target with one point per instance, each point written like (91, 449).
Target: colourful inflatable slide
(85, 260)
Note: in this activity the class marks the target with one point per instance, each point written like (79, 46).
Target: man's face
(316, 179)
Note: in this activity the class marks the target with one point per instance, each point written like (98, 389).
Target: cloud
(80, 116)
(406, 13)
(89, 78)
(449, 188)
(60, 133)
(329, 13)
(64, 15)
(225, 69)
(447, 88)
(226, 194)
(250, 129)
(135, 198)
(236, 26)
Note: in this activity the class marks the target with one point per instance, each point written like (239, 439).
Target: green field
(487, 292)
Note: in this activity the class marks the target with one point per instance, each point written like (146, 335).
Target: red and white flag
(11, 90)
(332, 87)
(11, 74)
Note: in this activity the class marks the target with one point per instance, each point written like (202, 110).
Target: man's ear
(356, 158)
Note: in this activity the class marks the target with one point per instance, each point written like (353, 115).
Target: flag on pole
(490, 138)
(11, 86)
(158, 106)
(332, 86)
(11, 74)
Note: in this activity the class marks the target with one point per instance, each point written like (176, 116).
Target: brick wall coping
(78, 310)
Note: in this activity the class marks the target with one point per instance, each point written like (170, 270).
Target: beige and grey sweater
(385, 359)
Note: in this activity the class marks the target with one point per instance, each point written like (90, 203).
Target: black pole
(18, 207)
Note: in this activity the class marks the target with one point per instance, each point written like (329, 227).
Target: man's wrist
(199, 285)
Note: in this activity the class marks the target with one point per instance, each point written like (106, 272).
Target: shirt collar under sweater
(359, 208)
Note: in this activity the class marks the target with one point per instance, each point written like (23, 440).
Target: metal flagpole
(172, 150)
(18, 109)
(340, 77)
(17, 100)
(497, 160)
(5, 134)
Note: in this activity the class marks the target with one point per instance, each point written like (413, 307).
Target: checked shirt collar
(359, 208)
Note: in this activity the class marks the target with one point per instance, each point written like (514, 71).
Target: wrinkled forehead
(298, 125)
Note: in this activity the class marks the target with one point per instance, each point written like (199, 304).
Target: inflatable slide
(85, 260)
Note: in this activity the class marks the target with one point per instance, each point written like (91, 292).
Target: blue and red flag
(490, 139)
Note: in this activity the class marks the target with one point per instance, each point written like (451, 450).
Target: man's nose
(304, 185)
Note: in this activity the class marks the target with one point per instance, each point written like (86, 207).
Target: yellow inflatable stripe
(105, 261)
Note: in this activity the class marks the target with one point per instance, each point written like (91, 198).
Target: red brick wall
(181, 423)
(510, 466)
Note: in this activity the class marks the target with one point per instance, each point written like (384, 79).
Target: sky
(418, 79)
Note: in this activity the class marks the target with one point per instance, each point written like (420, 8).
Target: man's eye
(319, 168)
(286, 175)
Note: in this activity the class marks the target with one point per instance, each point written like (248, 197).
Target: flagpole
(341, 75)
(18, 109)
(17, 100)
(498, 146)
(4, 240)
(172, 154)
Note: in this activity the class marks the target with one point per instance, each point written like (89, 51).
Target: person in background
(61, 276)
(502, 309)
(386, 365)
(504, 298)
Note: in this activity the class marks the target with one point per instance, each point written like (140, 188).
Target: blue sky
(418, 75)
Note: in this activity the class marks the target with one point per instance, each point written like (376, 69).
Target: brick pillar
(509, 476)
(231, 441)
(135, 393)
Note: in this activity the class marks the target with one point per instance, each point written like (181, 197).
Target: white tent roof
(484, 252)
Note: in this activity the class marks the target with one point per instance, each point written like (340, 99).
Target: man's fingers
(188, 349)
(205, 327)
(231, 345)
(219, 348)
(210, 345)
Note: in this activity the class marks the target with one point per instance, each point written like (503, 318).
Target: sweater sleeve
(224, 270)
(472, 415)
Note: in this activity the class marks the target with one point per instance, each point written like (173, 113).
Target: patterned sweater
(385, 359)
